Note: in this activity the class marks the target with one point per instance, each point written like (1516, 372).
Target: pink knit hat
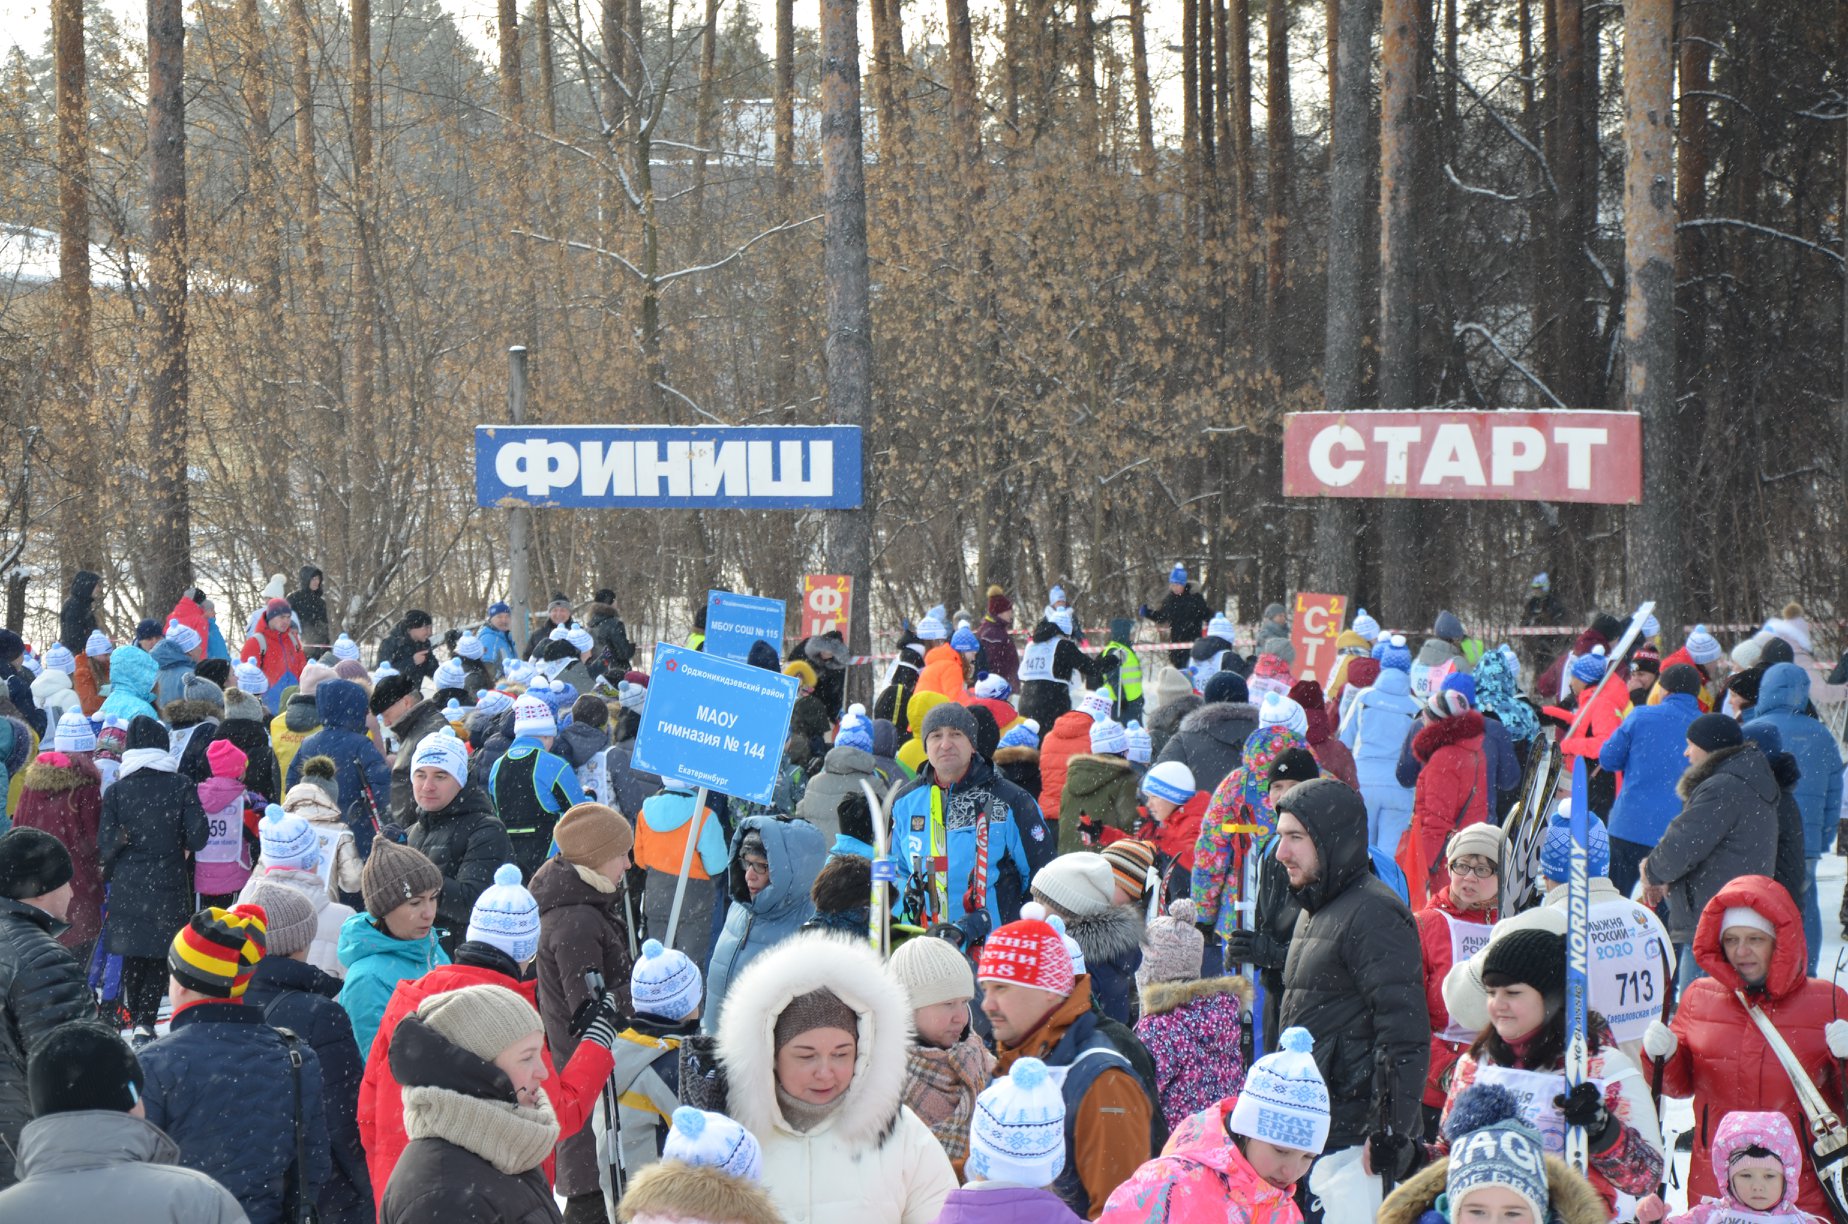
(226, 759)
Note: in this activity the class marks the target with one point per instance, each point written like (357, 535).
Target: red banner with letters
(1315, 623)
(1554, 456)
(827, 604)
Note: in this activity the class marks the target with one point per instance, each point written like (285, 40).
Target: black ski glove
(1393, 1156)
(1584, 1106)
(1242, 948)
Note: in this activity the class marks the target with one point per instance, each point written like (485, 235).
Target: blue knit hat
(856, 730)
(497, 607)
(1023, 734)
(1170, 780)
(1490, 1145)
(964, 641)
(1221, 627)
(1178, 573)
(1448, 626)
(1366, 626)
(1589, 668)
(1141, 743)
(1461, 682)
(1395, 656)
(1556, 850)
(1056, 596)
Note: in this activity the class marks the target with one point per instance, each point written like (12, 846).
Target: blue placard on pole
(615, 467)
(715, 723)
(733, 622)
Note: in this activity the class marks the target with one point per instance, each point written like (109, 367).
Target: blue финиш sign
(715, 723)
(733, 622)
(615, 467)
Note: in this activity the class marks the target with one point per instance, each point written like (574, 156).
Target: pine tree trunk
(1400, 132)
(81, 531)
(846, 278)
(1139, 68)
(1336, 562)
(168, 507)
(1653, 539)
(1280, 149)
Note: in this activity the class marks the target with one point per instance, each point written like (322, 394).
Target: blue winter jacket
(132, 674)
(1648, 749)
(796, 852)
(215, 645)
(375, 964)
(357, 760)
(220, 1084)
(1376, 728)
(496, 646)
(175, 665)
(1782, 695)
(1013, 819)
(297, 996)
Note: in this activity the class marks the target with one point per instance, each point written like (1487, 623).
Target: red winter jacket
(1599, 724)
(278, 654)
(1452, 791)
(1434, 936)
(1070, 736)
(574, 1092)
(1723, 1061)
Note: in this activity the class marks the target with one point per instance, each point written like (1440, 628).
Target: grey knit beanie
(484, 1020)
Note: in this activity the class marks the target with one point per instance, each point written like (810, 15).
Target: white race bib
(1036, 663)
(594, 777)
(1739, 1215)
(224, 842)
(1535, 1091)
(1625, 970)
(1466, 939)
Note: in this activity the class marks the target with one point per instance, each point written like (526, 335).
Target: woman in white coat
(813, 1044)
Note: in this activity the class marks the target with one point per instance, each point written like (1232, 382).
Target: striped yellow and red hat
(216, 952)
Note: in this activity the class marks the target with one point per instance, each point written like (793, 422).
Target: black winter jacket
(252, 739)
(615, 652)
(294, 995)
(1211, 741)
(310, 608)
(1354, 976)
(1045, 700)
(466, 841)
(42, 986)
(151, 823)
(1789, 870)
(1728, 827)
(77, 618)
(400, 650)
(1185, 615)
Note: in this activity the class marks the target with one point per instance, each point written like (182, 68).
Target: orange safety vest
(664, 852)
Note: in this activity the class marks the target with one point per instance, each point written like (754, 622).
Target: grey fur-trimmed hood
(1108, 935)
(811, 961)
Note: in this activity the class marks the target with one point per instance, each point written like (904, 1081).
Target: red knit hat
(217, 950)
(1027, 953)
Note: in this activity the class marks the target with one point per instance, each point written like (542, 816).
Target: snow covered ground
(1678, 1116)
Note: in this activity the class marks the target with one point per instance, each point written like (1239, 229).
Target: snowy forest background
(1091, 309)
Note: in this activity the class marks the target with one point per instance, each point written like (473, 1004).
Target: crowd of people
(1175, 934)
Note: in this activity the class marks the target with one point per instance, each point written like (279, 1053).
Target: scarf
(941, 1087)
(513, 1138)
(147, 758)
(802, 1116)
(1495, 694)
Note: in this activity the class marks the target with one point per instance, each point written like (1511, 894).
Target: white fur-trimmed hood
(797, 966)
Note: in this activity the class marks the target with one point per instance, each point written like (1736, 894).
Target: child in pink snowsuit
(222, 867)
